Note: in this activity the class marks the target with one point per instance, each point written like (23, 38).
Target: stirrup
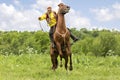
(53, 45)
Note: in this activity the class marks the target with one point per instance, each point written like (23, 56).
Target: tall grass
(38, 67)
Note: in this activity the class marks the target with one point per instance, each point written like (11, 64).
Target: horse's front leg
(58, 45)
(66, 61)
(68, 51)
(61, 61)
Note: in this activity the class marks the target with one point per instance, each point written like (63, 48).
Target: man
(51, 18)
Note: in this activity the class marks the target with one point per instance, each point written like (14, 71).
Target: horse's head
(63, 9)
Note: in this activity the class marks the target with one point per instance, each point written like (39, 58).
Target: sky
(22, 15)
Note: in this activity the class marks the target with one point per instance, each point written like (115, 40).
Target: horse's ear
(58, 5)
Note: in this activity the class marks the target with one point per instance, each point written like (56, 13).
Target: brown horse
(62, 40)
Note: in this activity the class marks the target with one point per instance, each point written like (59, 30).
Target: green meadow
(38, 67)
(25, 56)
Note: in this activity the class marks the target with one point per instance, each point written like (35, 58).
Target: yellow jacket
(52, 19)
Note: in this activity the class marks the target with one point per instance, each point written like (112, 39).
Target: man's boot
(73, 37)
(52, 41)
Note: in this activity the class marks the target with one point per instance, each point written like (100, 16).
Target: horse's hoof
(71, 68)
(56, 67)
(61, 65)
(53, 68)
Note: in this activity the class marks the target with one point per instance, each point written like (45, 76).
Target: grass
(38, 67)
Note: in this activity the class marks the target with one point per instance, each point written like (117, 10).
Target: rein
(63, 35)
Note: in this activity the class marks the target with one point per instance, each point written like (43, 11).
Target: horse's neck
(61, 23)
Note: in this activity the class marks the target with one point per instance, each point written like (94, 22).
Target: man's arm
(42, 17)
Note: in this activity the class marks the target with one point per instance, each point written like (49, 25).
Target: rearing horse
(62, 40)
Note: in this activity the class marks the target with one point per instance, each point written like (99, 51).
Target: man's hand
(39, 18)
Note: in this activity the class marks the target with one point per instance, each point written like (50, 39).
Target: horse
(61, 38)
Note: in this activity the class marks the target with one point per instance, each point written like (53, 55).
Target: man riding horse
(51, 18)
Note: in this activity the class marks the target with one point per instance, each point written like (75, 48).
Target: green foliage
(94, 42)
(117, 47)
(98, 43)
(84, 46)
(14, 42)
(108, 42)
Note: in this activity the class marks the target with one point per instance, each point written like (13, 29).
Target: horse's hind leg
(53, 59)
(53, 62)
(56, 61)
(66, 62)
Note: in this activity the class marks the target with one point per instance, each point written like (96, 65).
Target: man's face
(49, 10)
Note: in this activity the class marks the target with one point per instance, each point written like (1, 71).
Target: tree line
(91, 42)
